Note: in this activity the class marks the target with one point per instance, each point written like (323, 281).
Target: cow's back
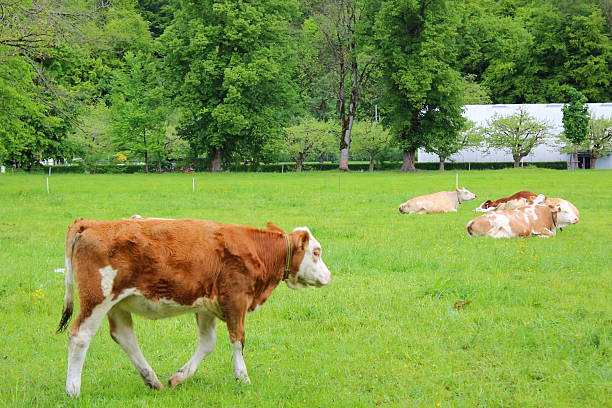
(441, 201)
(178, 259)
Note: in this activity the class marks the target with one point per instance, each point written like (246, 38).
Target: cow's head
(308, 260)
(566, 213)
(485, 207)
(463, 194)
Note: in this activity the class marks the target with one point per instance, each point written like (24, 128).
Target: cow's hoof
(175, 380)
(156, 385)
(73, 391)
(243, 378)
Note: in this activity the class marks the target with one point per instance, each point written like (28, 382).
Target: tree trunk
(146, 150)
(343, 119)
(517, 161)
(371, 168)
(408, 161)
(441, 164)
(299, 161)
(593, 163)
(215, 165)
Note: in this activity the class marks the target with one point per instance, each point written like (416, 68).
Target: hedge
(364, 166)
(98, 169)
(290, 167)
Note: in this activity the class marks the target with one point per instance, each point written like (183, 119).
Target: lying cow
(444, 201)
(537, 219)
(516, 200)
(162, 268)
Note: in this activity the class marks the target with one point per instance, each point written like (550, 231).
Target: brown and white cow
(162, 268)
(516, 200)
(537, 219)
(443, 201)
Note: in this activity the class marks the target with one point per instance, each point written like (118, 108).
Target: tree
(310, 137)
(470, 137)
(138, 111)
(230, 67)
(575, 121)
(372, 139)
(344, 26)
(423, 94)
(518, 134)
(599, 138)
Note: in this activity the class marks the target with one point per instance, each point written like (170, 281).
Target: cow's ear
(272, 227)
(302, 239)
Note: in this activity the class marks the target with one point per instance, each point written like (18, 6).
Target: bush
(99, 169)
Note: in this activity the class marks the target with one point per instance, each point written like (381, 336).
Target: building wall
(549, 151)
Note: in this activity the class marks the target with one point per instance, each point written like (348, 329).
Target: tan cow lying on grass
(538, 218)
(161, 268)
(444, 201)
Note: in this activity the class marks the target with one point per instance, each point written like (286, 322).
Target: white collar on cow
(287, 270)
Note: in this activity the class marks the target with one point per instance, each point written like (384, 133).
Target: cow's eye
(317, 252)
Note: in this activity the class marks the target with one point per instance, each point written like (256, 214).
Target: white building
(549, 151)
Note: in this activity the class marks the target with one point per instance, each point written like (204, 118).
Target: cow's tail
(74, 233)
(469, 227)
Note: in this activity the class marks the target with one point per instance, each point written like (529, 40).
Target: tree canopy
(220, 80)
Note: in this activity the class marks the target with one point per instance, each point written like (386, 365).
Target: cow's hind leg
(122, 331)
(206, 344)
(81, 332)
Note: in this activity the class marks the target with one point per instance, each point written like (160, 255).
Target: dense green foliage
(88, 79)
(385, 332)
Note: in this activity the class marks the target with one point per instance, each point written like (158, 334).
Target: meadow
(388, 331)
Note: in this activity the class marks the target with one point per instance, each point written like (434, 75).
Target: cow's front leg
(206, 344)
(235, 326)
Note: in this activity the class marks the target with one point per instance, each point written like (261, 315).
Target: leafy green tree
(372, 139)
(423, 97)
(309, 138)
(230, 64)
(575, 121)
(138, 109)
(92, 139)
(599, 138)
(470, 137)
(518, 134)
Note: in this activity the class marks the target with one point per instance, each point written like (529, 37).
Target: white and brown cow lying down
(162, 268)
(539, 218)
(443, 201)
(516, 200)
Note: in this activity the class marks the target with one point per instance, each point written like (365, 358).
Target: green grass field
(536, 332)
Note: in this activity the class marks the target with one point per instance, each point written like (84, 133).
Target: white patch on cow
(501, 226)
(108, 278)
(312, 270)
(240, 370)
(163, 307)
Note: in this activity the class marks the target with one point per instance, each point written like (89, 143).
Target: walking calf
(160, 268)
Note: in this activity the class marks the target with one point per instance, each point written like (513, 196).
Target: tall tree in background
(416, 40)
(232, 64)
(340, 22)
(138, 110)
(575, 122)
(518, 134)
